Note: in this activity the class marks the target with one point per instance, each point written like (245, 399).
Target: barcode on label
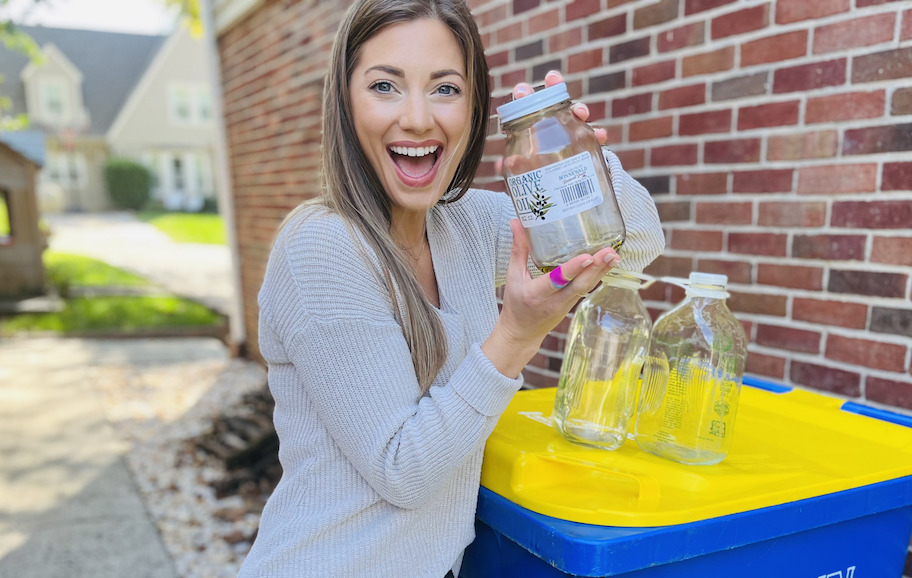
(576, 191)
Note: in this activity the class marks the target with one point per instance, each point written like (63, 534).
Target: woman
(388, 358)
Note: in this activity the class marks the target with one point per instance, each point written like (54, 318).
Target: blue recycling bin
(813, 488)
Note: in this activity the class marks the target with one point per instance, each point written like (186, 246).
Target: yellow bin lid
(787, 447)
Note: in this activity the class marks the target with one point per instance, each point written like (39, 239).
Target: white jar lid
(533, 103)
(708, 279)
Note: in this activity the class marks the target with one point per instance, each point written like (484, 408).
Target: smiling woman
(389, 358)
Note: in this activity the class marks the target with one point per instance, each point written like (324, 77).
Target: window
(69, 170)
(190, 104)
(6, 221)
(177, 166)
(53, 103)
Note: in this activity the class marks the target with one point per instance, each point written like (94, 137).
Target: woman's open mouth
(416, 166)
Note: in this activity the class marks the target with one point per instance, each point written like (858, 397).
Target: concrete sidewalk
(68, 505)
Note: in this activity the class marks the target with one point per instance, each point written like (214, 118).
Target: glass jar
(606, 346)
(558, 179)
(692, 377)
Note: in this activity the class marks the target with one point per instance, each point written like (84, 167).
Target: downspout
(237, 328)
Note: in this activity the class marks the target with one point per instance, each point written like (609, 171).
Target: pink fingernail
(587, 262)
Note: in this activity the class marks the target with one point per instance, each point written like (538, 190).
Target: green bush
(128, 183)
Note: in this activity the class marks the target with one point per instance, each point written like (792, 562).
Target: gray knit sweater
(379, 480)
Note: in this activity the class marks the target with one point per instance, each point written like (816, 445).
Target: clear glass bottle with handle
(606, 346)
(558, 179)
(692, 377)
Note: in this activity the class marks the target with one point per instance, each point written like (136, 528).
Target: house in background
(98, 95)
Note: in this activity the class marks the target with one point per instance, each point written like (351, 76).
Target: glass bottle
(692, 377)
(606, 346)
(557, 177)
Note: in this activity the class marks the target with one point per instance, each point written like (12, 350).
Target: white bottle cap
(533, 103)
(697, 278)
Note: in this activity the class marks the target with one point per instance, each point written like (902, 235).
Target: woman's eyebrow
(398, 73)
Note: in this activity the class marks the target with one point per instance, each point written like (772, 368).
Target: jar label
(555, 191)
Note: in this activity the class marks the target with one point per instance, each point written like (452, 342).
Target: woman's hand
(533, 307)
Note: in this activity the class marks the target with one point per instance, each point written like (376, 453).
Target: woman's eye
(382, 86)
(448, 90)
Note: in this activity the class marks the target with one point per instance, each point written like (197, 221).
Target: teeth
(414, 151)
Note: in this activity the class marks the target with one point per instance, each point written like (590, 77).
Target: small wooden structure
(21, 242)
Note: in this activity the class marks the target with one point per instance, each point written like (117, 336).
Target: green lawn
(188, 227)
(113, 312)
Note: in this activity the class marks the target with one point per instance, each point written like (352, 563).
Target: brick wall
(775, 137)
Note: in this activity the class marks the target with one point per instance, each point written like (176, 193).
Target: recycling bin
(814, 487)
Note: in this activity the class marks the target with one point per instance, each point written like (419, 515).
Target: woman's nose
(416, 115)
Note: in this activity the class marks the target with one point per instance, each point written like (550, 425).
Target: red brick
(837, 179)
(872, 215)
(765, 365)
(836, 313)
(890, 320)
(758, 304)
(613, 26)
(566, 39)
(829, 247)
(736, 271)
(495, 15)
(535, 379)
(810, 145)
(800, 340)
(763, 181)
(671, 212)
(541, 69)
(629, 50)
(656, 184)
(867, 283)
(848, 106)
(878, 139)
(906, 32)
(674, 155)
(636, 104)
(767, 115)
(893, 250)
(632, 159)
(770, 244)
(724, 213)
(582, 8)
(708, 62)
(810, 76)
(702, 184)
(652, 73)
(682, 97)
(732, 151)
(694, 6)
(788, 214)
(653, 128)
(681, 37)
(509, 33)
(885, 65)
(670, 267)
(607, 82)
(875, 354)
(582, 61)
(496, 59)
(696, 240)
(793, 276)
(775, 48)
(524, 5)
(740, 22)
(658, 13)
(544, 21)
(890, 392)
(788, 11)
(529, 51)
(741, 87)
(715, 121)
(838, 381)
(897, 177)
(863, 31)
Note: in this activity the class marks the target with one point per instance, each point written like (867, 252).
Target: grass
(204, 228)
(116, 313)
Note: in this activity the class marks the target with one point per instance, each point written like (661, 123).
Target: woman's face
(411, 108)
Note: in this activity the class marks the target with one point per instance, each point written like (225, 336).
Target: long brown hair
(352, 189)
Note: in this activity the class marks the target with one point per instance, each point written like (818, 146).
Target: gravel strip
(156, 410)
